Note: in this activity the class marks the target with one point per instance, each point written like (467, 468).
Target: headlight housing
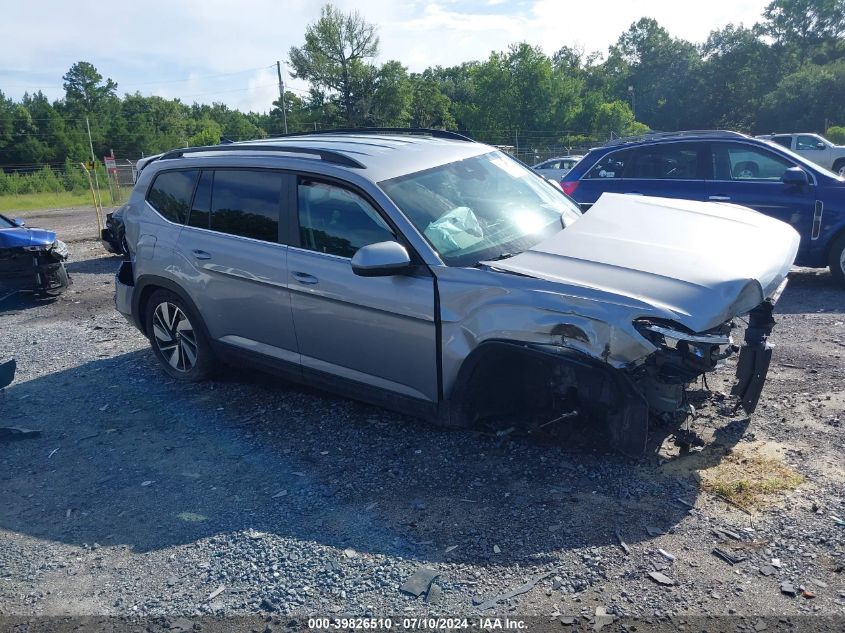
(59, 248)
(686, 351)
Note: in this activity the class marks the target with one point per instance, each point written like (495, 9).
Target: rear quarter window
(171, 192)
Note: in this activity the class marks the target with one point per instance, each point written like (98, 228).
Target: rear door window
(170, 194)
(785, 140)
(611, 166)
(200, 216)
(246, 203)
(668, 161)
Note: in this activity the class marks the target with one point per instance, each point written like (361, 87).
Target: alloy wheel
(174, 336)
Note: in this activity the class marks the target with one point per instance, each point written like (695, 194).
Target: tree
(85, 91)
(805, 100)
(738, 69)
(392, 96)
(429, 107)
(335, 47)
(805, 24)
(659, 68)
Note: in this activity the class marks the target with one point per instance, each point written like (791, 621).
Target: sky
(225, 51)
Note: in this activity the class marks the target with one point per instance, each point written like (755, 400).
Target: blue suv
(724, 167)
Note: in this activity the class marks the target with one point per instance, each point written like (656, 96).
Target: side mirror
(795, 176)
(382, 259)
(820, 145)
(18, 222)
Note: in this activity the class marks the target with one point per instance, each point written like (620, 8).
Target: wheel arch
(146, 285)
(498, 369)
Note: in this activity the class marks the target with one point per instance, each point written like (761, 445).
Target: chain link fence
(115, 182)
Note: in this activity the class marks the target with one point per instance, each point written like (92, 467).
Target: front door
(379, 331)
(751, 176)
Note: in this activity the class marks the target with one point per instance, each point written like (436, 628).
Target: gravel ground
(246, 494)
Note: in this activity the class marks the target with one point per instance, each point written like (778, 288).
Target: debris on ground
(788, 588)
(602, 619)
(622, 543)
(666, 554)
(528, 586)
(434, 593)
(17, 433)
(216, 592)
(728, 557)
(661, 579)
(419, 582)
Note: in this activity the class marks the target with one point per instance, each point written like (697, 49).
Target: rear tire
(839, 167)
(177, 336)
(836, 260)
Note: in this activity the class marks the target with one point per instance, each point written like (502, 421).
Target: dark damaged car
(31, 259)
(438, 276)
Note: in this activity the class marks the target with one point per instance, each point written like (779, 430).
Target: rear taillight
(569, 186)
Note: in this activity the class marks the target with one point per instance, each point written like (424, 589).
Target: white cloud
(146, 45)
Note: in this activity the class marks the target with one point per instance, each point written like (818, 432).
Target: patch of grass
(29, 201)
(749, 479)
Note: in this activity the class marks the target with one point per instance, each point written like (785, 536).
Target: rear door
(233, 264)
(750, 175)
(669, 170)
(379, 331)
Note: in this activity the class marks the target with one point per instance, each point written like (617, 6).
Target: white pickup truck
(813, 147)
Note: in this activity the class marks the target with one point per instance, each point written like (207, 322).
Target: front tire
(177, 337)
(836, 260)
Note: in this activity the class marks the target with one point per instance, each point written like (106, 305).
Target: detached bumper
(755, 355)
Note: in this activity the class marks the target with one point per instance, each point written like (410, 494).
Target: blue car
(31, 259)
(728, 168)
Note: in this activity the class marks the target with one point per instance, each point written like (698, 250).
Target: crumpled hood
(24, 236)
(701, 263)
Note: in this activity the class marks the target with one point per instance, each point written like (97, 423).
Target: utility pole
(282, 95)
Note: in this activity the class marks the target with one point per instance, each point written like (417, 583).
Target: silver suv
(440, 277)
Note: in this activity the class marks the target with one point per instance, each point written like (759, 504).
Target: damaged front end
(38, 268)
(683, 356)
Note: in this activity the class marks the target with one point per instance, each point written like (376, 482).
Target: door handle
(201, 254)
(720, 198)
(305, 278)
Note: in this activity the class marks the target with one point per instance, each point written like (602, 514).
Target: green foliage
(836, 134)
(786, 73)
(806, 99)
(333, 54)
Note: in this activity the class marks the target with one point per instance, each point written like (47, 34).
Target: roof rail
(325, 154)
(419, 131)
(648, 136)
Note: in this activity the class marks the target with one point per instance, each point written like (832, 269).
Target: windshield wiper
(500, 257)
